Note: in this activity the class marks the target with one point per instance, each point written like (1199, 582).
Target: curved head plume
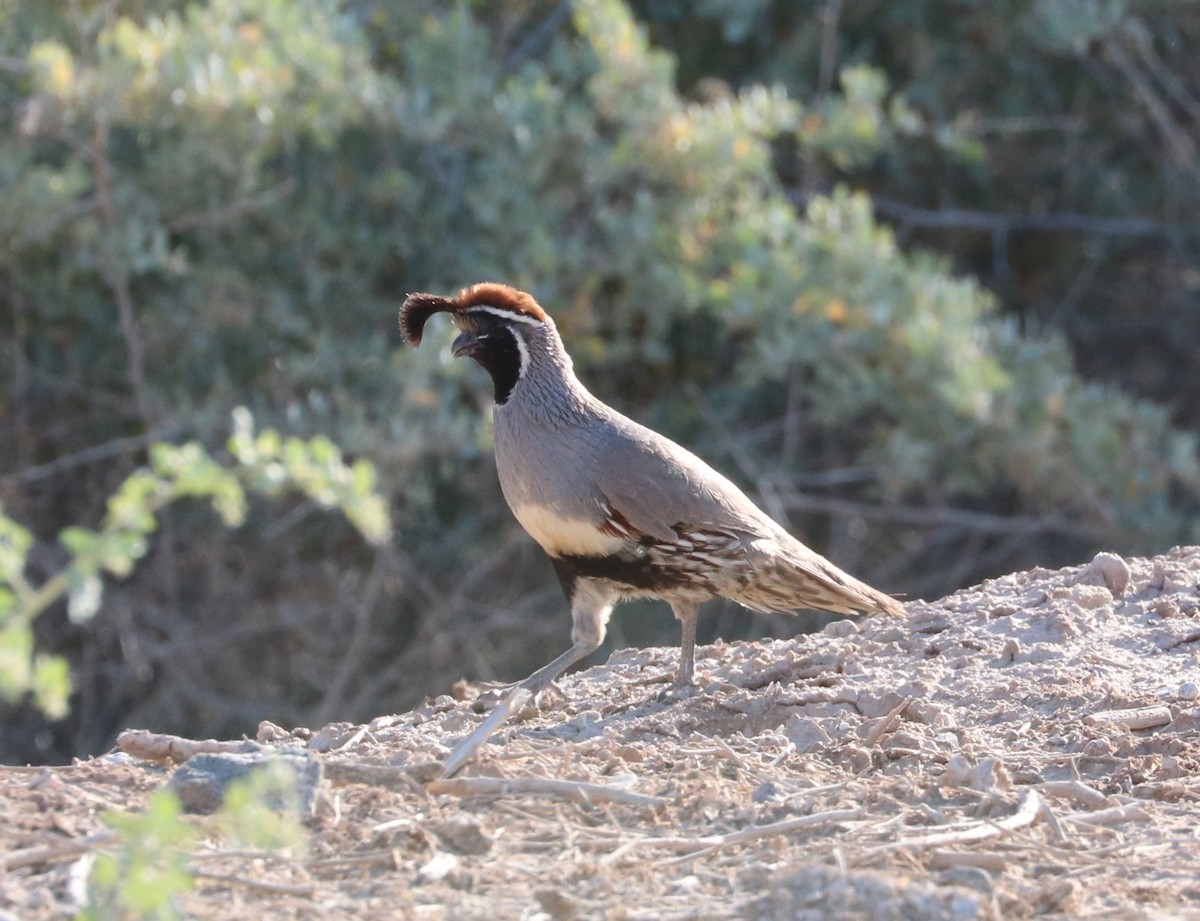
(487, 296)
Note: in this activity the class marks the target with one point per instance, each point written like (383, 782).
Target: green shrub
(222, 204)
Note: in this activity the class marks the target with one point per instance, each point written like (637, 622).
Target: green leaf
(15, 542)
(364, 478)
(142, 876)
(83, 544)
(16, 651)
(51, 685)
(262, 810)
(84, 598)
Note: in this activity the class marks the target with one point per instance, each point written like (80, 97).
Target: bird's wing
(655, 488)
(659, 488)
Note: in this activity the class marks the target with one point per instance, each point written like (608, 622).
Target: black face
(493, 344)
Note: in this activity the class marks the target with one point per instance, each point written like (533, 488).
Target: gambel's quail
(622, 511)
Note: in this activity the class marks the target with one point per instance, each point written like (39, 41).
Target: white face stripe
(524, 350)
(505, 314)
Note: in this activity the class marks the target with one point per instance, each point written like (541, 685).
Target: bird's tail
(791, 577)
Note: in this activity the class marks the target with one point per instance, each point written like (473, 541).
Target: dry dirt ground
(1027, 747)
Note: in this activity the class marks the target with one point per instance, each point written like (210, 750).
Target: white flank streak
(559, 536)
(506, 314)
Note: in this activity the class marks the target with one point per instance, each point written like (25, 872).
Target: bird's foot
(513, 702)
(551, 693)
(489, 695)
(679, 689)
(481, 695)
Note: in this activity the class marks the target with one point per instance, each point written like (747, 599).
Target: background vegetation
(924, 277)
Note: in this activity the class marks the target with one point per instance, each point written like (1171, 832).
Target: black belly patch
(636, 572)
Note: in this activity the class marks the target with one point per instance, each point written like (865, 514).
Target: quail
(622, 511)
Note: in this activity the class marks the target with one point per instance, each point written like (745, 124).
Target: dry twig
(573, 790)
(707, 843)
(1115, 815)
(1075, 790)
(886, 722)
(260, 885)
(1132, 719)
(975, 831)
(159, 746)
(52, 853)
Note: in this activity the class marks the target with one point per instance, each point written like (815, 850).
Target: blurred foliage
(223, 203)
(1051, 148)
(268, 464)
(144, 868)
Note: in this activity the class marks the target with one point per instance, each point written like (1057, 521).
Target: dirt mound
(1028, 746)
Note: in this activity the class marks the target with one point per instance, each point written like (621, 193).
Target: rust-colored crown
(418, 308)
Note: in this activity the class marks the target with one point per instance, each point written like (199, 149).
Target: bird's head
(498, 327)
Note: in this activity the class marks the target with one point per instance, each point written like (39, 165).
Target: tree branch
(946, 516)
(539, 37)
(222, 214)
(1060, 222)
(117, 276)
(86, 456)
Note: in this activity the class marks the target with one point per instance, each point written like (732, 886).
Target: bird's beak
(465, 344)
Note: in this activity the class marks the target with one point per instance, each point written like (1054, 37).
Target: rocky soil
(1027, 747)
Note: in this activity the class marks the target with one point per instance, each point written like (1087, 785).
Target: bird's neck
(548, 390)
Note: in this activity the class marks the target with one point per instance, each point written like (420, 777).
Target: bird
(622, 511)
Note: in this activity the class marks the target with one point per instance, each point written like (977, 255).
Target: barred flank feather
(775, 575)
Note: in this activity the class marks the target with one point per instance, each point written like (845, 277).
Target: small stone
(1109, 570)
(270, 732)
(1098, 748)
(858, 757)
(332, 737)
(806, 734)
(438, 868)
(556, 904)
(891, 635)
(841, 628)
(969, 877)
(464, 836)
(1189, 690)
(1167, 608)
(629, 754)
(1034, 598)
(988, 776)
(203, 780)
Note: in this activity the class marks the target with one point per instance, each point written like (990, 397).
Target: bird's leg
(687, 613)
(589, 614)
(513, 702)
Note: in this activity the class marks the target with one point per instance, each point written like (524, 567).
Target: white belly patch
(566, 536)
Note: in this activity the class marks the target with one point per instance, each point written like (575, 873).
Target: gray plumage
(561, 450)
(623, 511)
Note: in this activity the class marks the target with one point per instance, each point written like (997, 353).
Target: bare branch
(571, 790)
(117, 275)
(1181, 146)
(830, 16)
(946, 516)
(539, 37)
(224, 214)
(1060, 222)
(1025, 815)
(85, 456)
